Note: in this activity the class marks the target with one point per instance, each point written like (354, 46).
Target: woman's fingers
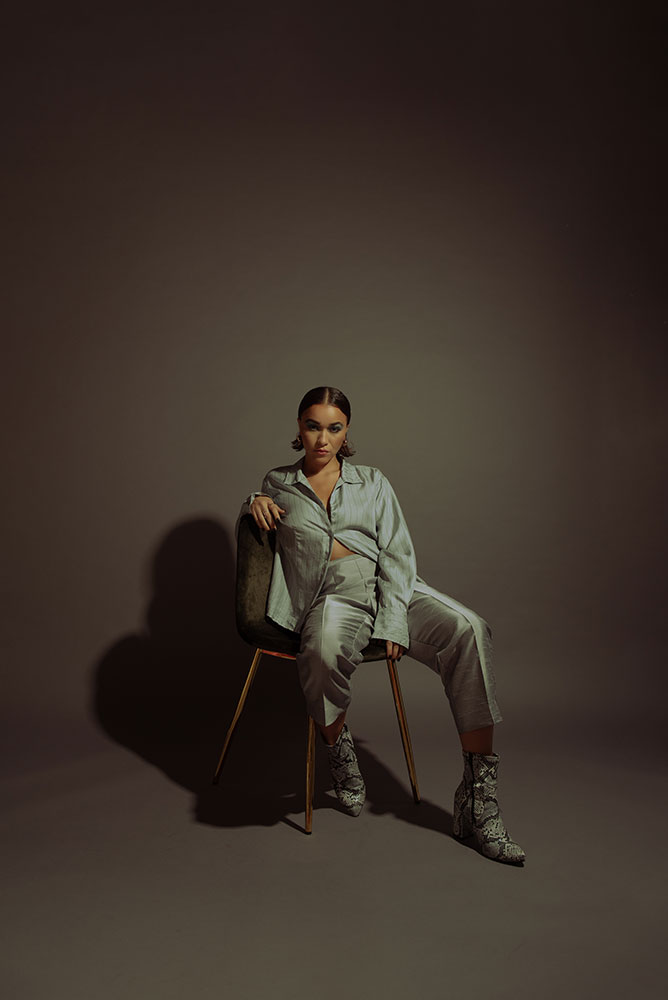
(260, 515)
(394, 650)
(275, 513)
(261, 519)
(267, 515)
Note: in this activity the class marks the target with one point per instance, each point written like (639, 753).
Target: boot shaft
(480, 769)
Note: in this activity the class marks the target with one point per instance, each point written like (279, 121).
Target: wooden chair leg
(310, 773)
(237, 714)
(403, 727)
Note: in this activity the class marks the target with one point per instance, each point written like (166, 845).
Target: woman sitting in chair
(344, 573)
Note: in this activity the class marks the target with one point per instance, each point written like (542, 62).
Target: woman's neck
(331, 468)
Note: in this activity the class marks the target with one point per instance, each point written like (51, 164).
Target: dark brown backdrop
(453, 214)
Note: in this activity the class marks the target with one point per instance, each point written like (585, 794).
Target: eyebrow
(309, 421)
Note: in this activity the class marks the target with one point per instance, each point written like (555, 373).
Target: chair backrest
(255, 558)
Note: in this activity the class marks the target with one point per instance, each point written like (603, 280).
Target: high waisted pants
(449, 638)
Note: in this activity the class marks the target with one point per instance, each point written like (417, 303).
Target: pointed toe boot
(476, 810)
(346, 776)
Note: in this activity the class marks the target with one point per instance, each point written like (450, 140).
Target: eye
(336, 428)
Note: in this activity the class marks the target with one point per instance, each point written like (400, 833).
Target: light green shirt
(365, 516)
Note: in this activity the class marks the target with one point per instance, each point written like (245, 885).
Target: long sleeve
(396, 568)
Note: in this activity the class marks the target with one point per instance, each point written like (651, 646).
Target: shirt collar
(349, 473)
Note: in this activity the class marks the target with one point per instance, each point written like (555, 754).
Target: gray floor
(128, 875)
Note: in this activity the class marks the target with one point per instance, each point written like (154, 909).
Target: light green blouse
(365, 516)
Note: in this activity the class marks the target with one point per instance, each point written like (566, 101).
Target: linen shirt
(365, 516)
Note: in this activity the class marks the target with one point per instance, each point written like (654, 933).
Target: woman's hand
(394, 650)
(266, 513)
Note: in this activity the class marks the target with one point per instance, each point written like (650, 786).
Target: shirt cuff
(392, 626)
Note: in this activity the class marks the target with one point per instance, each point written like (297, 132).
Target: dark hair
(330, 396)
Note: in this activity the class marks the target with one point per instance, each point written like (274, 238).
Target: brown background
(455, 214)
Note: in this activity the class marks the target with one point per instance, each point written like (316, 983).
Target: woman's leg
(331, 733)
(456, 643)
(335, 631)
(332, 639)
(478, 740)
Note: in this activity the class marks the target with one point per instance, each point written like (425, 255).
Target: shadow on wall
(168, 694)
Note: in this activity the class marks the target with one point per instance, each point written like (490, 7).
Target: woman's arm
(396, 568)
(262, 507)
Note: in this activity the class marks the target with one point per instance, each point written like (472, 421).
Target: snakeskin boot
(348, 781)
(477, 812)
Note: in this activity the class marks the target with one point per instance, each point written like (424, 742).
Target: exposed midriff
(339, 550)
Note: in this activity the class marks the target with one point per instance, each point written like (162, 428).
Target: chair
(255, 554)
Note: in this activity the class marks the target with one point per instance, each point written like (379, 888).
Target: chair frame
(310, 738)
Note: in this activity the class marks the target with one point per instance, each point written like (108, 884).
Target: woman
(344, 572)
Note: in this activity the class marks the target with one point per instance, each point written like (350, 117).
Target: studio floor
(127, 874)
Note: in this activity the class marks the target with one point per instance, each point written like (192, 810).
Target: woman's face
(323, 430)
